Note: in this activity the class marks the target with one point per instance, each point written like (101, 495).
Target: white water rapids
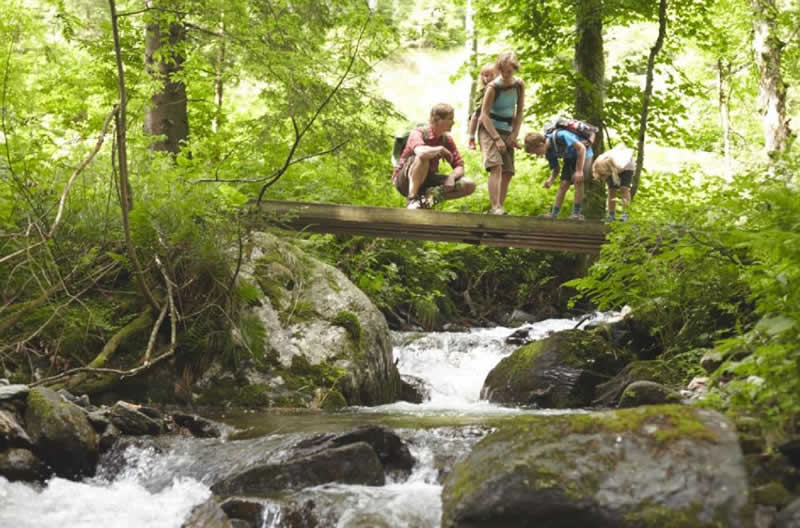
(158, 490)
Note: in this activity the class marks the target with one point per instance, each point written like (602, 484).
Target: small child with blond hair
(615, 167)
(487, 75)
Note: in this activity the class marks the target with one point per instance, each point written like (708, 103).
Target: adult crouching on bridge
(416, 175)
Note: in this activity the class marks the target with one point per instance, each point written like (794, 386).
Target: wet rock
(414, 389)
(244, 509)
(608, 393)
(520, 336)
(560, 371)
(352, 464)
(647, 467)
(390, 449)
(13, 392)
(11, 432)
(789, 517)
(647, 393)
(207, 515)
(519, 317)
(128, 418)
(20, 464)
(198, 426)
(61, 432)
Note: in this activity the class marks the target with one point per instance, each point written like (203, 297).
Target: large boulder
(318, 331)
(355, 463)
(560, 371)
(647, 467)
(61, 433)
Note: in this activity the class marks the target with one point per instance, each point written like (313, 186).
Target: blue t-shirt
(568, 139)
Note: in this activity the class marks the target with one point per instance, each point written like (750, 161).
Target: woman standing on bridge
(501, 119)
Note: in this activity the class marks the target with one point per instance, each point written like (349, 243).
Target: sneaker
(609, 219)
(497, 211)
(549, 215)
(576, 216)
(414, 203)
(623, 217)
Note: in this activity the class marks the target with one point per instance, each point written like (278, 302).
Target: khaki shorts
(492, 157)
(401, 179)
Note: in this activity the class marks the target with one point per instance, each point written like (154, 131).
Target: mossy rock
(647, 467)
(349, 321)
(608, 393)
(647, 393)
(560, 371)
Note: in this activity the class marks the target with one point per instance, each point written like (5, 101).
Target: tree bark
(772, 90)
(589, 94)
(648, 92)
(167, 115)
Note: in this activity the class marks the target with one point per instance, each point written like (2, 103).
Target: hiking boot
(550, 215)
(433, 197)
(576, 216)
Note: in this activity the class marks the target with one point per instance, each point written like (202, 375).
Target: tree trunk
(772, 98)
(167, 115)
(648, 92)
(218, 83)
(589, 96)
(723, 77)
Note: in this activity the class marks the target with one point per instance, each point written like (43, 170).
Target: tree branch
(300, 133)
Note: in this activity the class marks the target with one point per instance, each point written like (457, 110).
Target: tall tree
(648, 92)
(590, 67)
(164, 56)
(767, 48)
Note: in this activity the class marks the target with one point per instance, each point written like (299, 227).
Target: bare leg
(578, 193)
(504, 187)
(464, 187)
(612, 201)
(416, 176)
(562, 191)
(626, 197)
(495, 186)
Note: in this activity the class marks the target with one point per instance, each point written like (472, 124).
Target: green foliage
(715, 265)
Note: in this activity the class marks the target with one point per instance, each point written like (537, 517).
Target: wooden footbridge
(421, 224)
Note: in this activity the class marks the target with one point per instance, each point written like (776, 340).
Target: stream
(156, 482)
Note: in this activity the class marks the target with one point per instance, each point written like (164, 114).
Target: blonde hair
(442, 111)
(533, 140)
(489, 67)
(507, 58)
(604, 168)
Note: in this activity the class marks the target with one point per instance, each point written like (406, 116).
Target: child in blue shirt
(577, 155)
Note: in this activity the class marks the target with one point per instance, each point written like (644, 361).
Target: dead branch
(100, 139)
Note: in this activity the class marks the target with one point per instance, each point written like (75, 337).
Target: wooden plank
(425, 224)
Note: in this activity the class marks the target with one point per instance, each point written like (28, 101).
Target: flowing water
(156, 482)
